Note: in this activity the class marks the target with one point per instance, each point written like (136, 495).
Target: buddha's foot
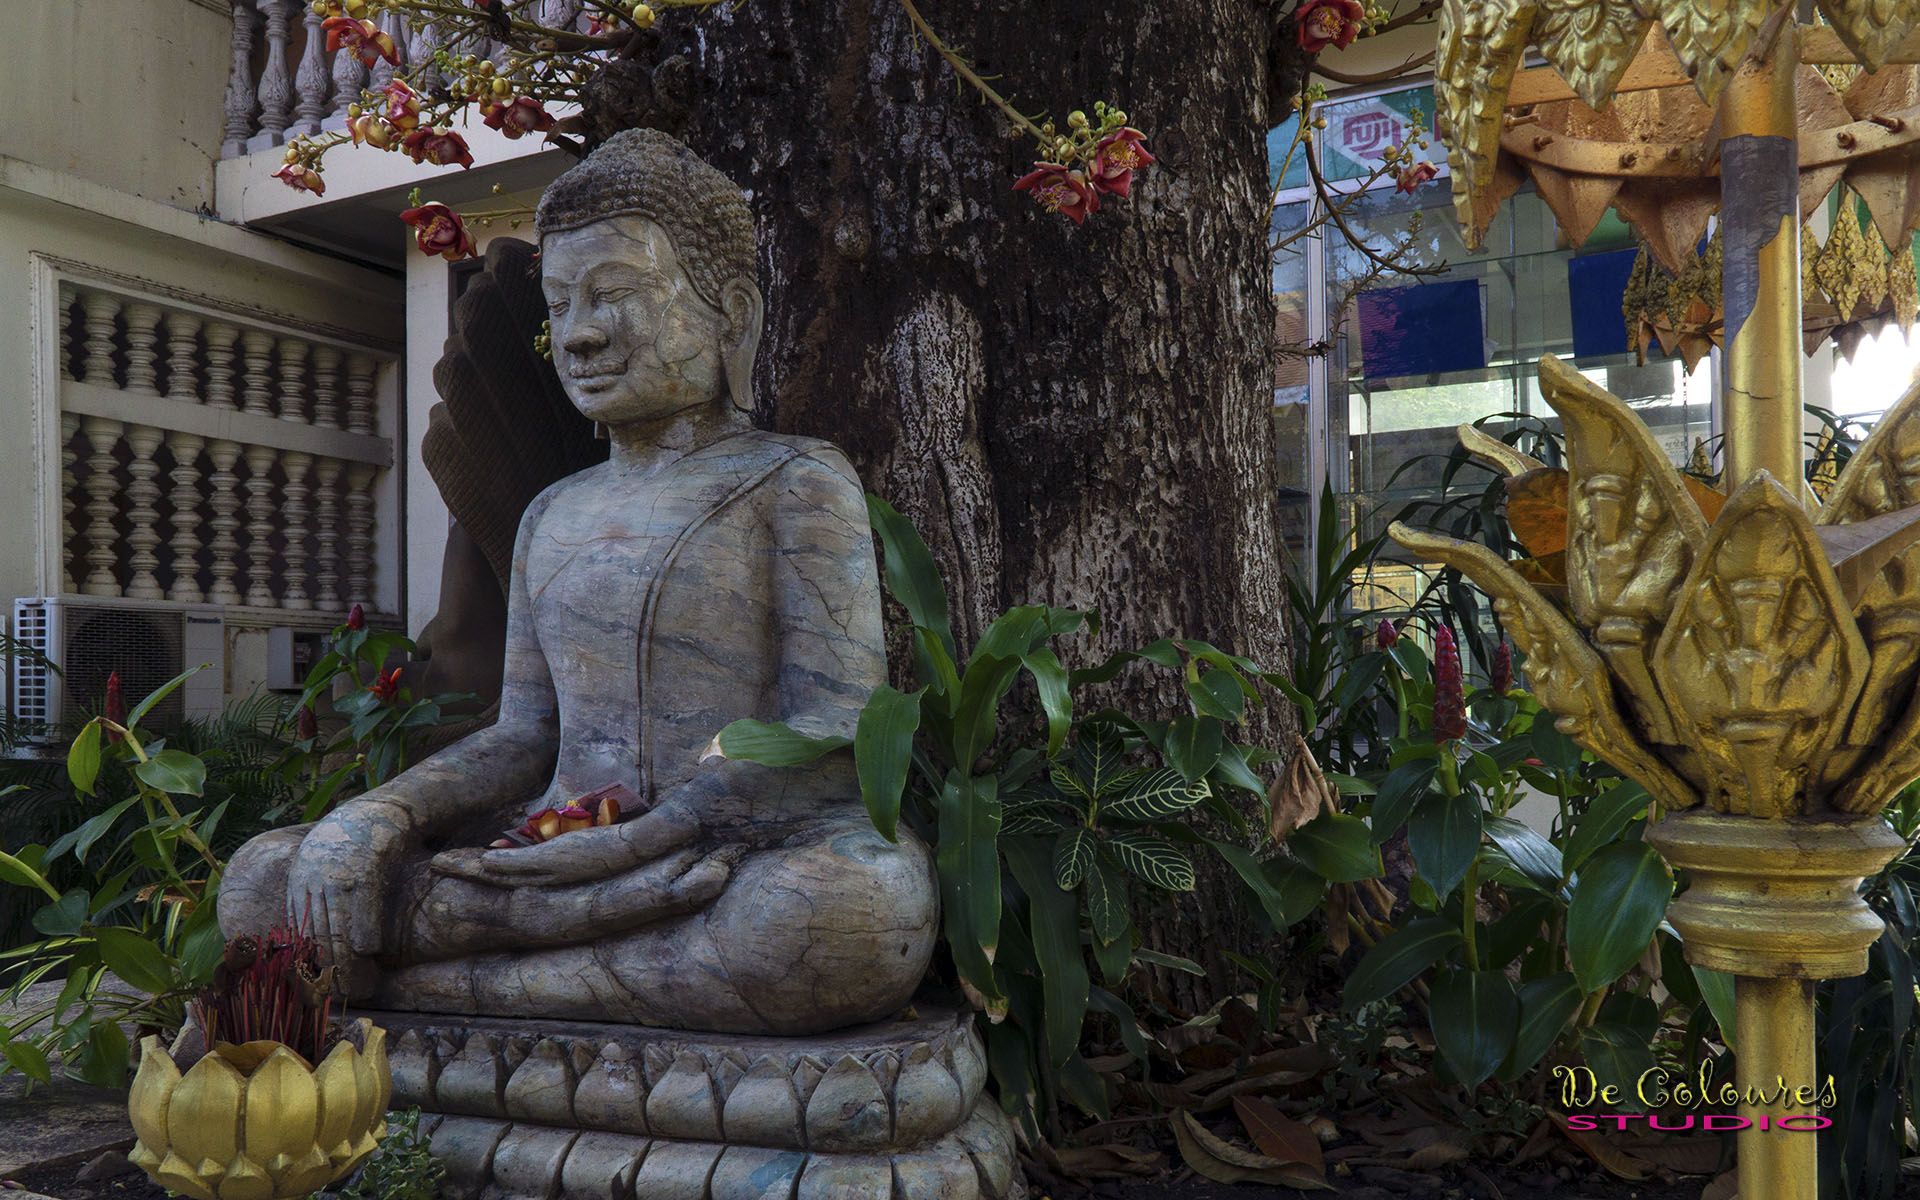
(564, 1110)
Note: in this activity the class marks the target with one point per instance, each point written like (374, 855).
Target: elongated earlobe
(745, 311)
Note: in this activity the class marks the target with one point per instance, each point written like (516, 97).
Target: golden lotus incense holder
(1756, 672)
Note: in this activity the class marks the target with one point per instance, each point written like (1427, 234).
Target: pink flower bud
(1449, 695)
(1503, 669)
(1389, 635)
(356, 619)
(306, 723)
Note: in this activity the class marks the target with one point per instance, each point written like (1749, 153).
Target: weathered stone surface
(527, 1162)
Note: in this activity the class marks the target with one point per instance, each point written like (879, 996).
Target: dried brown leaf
(1299, 795)
(1596, 1146)
(1276, 1134)
(1113, 1161)
(1223, 1162)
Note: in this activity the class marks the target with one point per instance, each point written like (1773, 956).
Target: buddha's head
(647, 261)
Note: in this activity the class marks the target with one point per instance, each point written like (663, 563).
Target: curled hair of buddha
(645, 173)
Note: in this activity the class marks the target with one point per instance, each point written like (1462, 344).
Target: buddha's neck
(646, 446)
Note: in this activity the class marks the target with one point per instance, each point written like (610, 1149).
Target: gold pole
(1773, 1023)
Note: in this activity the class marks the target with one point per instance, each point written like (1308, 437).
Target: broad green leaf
(1033, 820)
(83, 759)
(1400, 958)
(1124, 1018)
(26, 1058)
(173, 771)
(883, 753)
(911, 575)
(65, 917)
(773, 744)
(82, 839)
(1050, 680)
(1536, 857)
(1153, 860)
(1553, 748)
(18, 871)
(1072, 858)
(1474, 1014)
(969, 865)
(1716, 988)
(161, 693)
(1233, 770)
(105, 1062)
(1347, 785)
(1444, 835)
(1403, 788)
(944, 676)
(1618, 1056)
(1336, 847)
(1193, 745)
(1161, 794)
(1358, 680)
(1412, 659)
(1621, 897)
(1218, 694)
(1546, 1005)
(1055, 917)
(135, 959)
(1309, 712)
(976, 716)
(1282, 895)
(1011, 634)
(1100, 757)
(1606, 816)
(79, 980)
(1082, 1085)
(1107, 902)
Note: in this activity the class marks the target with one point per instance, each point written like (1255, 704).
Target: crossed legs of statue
(832, 927)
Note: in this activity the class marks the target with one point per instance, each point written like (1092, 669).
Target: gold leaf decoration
(1482, 43)
(1710, 36)
(1496, 453)
(1837, 267)
(1886, 180)
(1590, 42)
(1761, 659)
(1564, 672)
(1871, 28)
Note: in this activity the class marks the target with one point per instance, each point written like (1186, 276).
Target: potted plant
(253, 1118)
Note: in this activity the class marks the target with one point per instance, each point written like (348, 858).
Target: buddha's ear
(745, 311)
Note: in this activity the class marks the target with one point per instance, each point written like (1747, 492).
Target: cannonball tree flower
(1413, 175)
(1059, 189)
(1449, 693)
(370, 130)
(1322, 23)
(439, 230)
(516, 118)
(438, 145)
(403, 106)
(367, 41)
(301, 178)
(1116, 157)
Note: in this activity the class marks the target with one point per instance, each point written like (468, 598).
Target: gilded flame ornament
(1764, 664)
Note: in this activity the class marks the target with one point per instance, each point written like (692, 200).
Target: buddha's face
(632, 340)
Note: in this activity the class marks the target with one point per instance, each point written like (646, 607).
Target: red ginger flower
(114, 707)
(1413, 175)
(306, 724)
(517, 118)
(439, 230)
(1322, 23)
(1060, 190)
(1449, 696)
(1503, 669)
(301, 178)
(368, 42)
(1389, 634)
(357, 619)
(387, 690)
(1116, 157)
(439, 146)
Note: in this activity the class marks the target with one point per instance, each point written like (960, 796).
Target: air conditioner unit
(86, 639)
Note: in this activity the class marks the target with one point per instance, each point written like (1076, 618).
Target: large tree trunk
(1074, 415)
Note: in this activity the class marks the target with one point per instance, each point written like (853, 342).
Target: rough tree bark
(1075, 415)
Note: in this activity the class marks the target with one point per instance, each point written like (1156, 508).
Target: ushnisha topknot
(643, 172)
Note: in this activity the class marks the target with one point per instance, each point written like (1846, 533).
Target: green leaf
(1217, 694)
(1622, 895)
(1193, 745)
(1337, 847)
(1605, 817)
(1618, 1056)
(82, 839)
(911, 575)
(1050, 680)
(1072, 858)
(883, 753)
(1173, 962)
(1553, 748)
(976, 715)
(1546, 1005)
(1282, 898)
(175, 772)
(83, 759)
(1161, 794)
(1399, 958)
(1444, 835)
(65, 917)
(135, 959)
(1347, 785)
(1107, 902)
(969, 865)
(773, 744)
(1402, 789)
(1716, 988)
(1153, 860)
(105, 1062)
(1055, 917)
(1536, 857)
(939, 671)
(1473, 1014)
(19, 871)
(161, 693)
(1100, 758)
(28, 1059)
(1233, 771)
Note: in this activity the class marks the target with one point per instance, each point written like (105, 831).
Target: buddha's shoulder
(762, 454)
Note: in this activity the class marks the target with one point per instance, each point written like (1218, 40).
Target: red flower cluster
(439, 230)
(516, 118)
(1075, 193)
(387, 689)
(1449, 694)
(438, 146)
(1322, 23)
(368, 42)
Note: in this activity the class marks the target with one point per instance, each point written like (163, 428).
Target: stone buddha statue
(707, 572)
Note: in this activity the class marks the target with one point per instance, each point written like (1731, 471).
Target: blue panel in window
(1422, 330)
(1596, 287)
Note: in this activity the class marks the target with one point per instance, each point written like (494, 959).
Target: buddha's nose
(584, 339)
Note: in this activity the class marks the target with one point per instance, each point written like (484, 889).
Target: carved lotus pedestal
(576, 1110)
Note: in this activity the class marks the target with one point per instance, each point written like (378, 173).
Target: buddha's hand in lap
(585, 856)
(341, 879)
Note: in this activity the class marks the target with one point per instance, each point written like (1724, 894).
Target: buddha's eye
(612, 295)
(556, 308)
